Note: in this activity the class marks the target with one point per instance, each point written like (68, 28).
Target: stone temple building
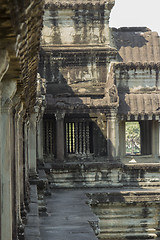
(21, 108)
(64, 117)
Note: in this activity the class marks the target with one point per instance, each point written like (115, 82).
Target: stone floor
(68, 217)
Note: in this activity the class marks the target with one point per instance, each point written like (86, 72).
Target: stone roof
(77, 2)
(139, 104)
(137, 45)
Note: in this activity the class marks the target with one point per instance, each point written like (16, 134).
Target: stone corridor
(68, 214)
(68, 217)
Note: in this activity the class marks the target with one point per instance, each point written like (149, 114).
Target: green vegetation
(133, 138)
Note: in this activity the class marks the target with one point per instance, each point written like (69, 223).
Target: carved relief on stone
(4, 59)
(113, 94)
(77, 23)
(8, 91)
(59, 115)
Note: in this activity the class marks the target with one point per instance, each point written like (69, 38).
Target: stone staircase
(127, 214)
(125, 199)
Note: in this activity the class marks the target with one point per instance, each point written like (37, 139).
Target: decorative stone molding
(59, 115)
(111, 92)
(4, 59)
(112, 114)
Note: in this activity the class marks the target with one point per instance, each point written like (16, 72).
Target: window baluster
(70, 141)
(67, 149)
(80, 138)
(84, 137)
(76, 137)
(87, 138)
(73, 136)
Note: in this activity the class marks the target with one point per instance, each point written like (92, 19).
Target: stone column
(159, 138)
(26, 154)
(146, 137)
(0, 158)
(17, 162)
(32, 160)
(60, 135)
(122, 143)
(19, 159)
(6, 161)
(26, 127)
(5, 211)
(8, 89)
(40, 140)
(155, 138)
(112, 134)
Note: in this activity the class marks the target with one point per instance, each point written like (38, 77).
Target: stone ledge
(124, 197)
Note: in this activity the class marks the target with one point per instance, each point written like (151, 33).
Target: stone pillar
(146, 137)
(26, 154)
(122, 142)
(26, 127)
(40, 140)
(112, 134)
(19, 138)
(32, 158)
(8, 89)
(17, 163)
(159, 137)
(6, 160)
(5, 154)
(60, 135)
(155, 138)
(0, 159)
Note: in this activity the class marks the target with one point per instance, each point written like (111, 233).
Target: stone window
(49, 137)
(78, 137)
(138, 138)
(133, 146)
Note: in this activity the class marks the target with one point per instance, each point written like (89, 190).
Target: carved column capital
(112, 114)
(59, 115)
(7, 106)
(33, 118)
(19, 111)
(4, 59)
(8, 91)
